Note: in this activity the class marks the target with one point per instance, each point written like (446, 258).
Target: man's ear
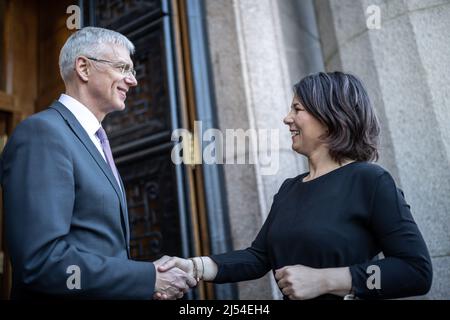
(82, 68)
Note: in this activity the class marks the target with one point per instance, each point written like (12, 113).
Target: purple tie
(101, 134)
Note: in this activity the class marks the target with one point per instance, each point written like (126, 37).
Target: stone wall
(260, 48)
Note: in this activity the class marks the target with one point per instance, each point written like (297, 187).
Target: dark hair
(340, 102)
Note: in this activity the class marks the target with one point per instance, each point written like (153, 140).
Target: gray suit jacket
(63, 207)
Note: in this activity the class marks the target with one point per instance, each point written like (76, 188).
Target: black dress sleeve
(251, 263)
(248, 264)
(242, 265)
(406, 269)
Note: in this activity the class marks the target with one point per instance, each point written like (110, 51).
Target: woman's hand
(300, 282)
(186, 265)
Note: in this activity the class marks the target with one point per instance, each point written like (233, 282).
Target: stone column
(404, 65)
(251, 54)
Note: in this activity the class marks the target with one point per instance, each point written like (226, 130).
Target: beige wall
(405, 67)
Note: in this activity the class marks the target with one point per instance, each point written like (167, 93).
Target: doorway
(167, 207)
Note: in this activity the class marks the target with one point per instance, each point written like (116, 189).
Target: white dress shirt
(85, 117)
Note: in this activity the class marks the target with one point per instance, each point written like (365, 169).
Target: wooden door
(166, 203)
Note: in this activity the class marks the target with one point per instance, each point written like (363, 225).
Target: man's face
(107, 83)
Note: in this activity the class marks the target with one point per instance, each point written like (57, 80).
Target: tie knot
(101, 134)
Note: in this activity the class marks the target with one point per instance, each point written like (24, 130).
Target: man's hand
(300, 282)
(173, 283)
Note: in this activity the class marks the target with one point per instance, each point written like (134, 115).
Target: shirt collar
(84, 116)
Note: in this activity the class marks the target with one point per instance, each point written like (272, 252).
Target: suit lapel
(92, 149)
(125, 211)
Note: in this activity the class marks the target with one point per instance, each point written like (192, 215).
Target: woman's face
(306, 131)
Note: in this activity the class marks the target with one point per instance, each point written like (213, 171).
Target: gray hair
(88, 41)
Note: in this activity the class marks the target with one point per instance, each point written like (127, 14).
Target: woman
(326, 226)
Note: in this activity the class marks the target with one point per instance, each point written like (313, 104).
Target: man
(65, 208)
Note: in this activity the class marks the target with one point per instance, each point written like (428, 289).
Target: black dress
(343, 218)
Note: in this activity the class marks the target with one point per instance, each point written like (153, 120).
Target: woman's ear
(82, 68)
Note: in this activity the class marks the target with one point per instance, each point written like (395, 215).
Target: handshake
(175, 276)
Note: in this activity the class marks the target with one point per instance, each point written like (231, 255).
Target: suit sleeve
(39, 197)
(406, 269)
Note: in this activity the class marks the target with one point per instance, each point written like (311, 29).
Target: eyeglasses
(124, 68)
